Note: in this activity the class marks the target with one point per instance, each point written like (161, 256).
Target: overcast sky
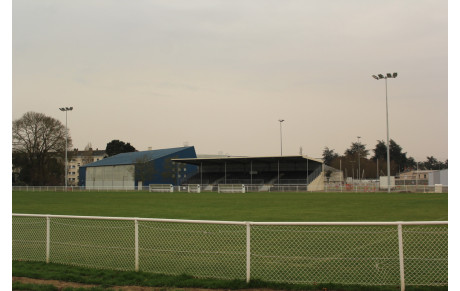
(219, 75)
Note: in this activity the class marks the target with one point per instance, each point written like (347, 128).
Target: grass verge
(108, 279)
(18, 286)
(33, 287)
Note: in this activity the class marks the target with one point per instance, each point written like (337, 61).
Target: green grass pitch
(354, 254)
(238, 207)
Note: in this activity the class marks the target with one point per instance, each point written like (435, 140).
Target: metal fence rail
(366, 253)
(328, 187)
(375, 187)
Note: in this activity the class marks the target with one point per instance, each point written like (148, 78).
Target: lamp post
(378, 77)
(359, 161)
(281, 136)
(66, 135)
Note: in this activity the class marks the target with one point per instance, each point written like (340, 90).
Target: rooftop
(134, 157)
(197, 161)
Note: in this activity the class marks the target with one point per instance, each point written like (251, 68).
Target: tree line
(39, 145)
(357, 162)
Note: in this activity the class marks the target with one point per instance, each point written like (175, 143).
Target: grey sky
(219, 74)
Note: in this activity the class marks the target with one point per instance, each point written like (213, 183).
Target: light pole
(281, 136)
(66, 135)
(359, 161)
(378, 77)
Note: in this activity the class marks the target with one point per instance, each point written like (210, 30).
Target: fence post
(248, 252)
(401, 257)
(47, 239)
(136, 245)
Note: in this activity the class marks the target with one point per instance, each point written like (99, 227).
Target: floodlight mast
(281, 136)
(66, 135)
(380, 76)
(359, 160)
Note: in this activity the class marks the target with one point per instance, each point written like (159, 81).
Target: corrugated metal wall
(161, 170)
(121, 176)
(438, 177)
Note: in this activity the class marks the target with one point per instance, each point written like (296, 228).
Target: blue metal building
(131, 170)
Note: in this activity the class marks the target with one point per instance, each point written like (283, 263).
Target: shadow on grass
(109, 278)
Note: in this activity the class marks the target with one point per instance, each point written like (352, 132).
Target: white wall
(116, 177)
(438, 177)
(384, 182)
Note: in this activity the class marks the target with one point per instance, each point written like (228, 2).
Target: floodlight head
(381, 76)
(375, 77)
(66, 108)
(281, 120)
(388, 75)
(395, 75)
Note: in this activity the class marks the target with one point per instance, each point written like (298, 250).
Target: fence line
(365, 253)
(328, 187)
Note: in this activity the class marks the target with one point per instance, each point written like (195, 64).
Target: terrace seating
(260, 178)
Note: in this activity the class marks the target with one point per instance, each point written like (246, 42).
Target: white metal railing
(375, 187)
(245, 181)
(328, 187)
(365, 253)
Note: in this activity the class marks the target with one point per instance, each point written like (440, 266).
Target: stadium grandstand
(275, 170)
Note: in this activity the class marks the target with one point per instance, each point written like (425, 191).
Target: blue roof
(133, 157)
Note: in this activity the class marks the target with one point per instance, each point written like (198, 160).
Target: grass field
(299, 254)
(239, 207)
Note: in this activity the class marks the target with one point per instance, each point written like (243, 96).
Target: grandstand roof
(219, 160)
(133, 157)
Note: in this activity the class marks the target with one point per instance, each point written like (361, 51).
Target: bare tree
(38, 148)
(144, 168)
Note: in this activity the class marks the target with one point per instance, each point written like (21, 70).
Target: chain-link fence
(373, 253)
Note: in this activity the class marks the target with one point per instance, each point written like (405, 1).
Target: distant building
(415, 174)
(415, 177)
(135, 169)
(80, 158)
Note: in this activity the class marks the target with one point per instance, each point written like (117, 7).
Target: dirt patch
(64, 284)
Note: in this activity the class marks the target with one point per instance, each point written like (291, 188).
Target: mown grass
(49, 287)
(213, 206)
(239, 207)
(108, 279)
(33, 287)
